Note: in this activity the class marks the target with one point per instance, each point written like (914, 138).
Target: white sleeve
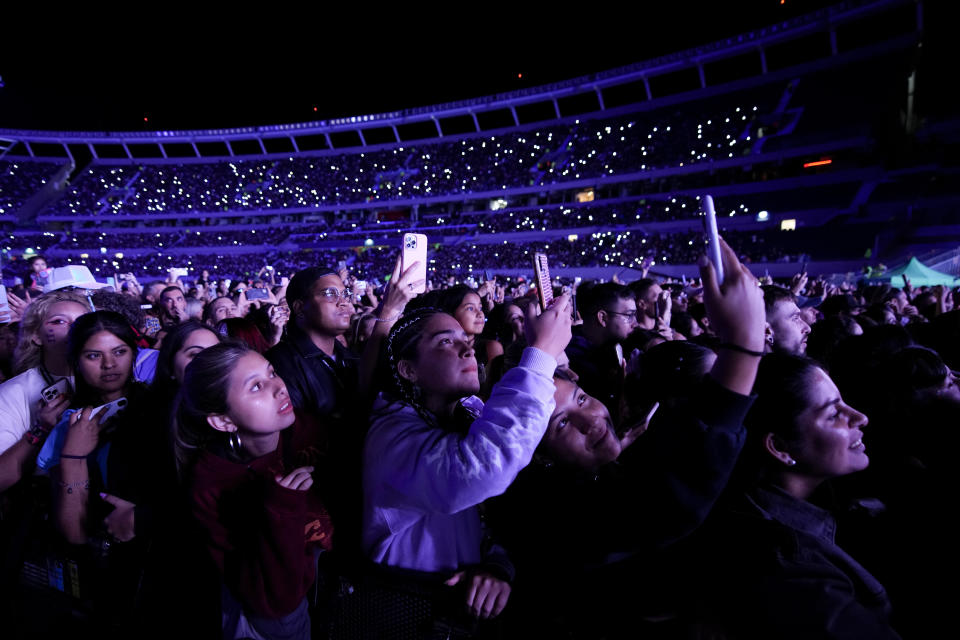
(433, 470)
(14, 412)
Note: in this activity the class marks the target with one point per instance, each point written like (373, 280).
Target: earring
(416, 392)
(234, 443)
(790, 462)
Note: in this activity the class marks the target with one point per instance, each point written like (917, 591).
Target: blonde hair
(29, 353)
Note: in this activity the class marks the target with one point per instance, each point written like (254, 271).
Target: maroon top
(262, 536)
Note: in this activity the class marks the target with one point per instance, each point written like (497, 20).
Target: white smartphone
(713, 237)
(54, 391)
(109, 410)
(415, 250)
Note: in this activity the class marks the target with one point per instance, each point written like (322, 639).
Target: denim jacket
(787, 578)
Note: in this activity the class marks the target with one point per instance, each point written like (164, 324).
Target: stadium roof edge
(821, 20)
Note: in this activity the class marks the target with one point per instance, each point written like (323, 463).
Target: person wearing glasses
(320, 371)
(327, 380)
(609, 313)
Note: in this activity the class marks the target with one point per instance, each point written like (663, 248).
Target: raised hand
(735, 308)
(400, 291)
(736, 313)
(18, 306)
(550, 331)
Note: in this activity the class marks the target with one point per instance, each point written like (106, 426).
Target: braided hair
(402, 343)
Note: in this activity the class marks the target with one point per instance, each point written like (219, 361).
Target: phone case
(415, 250)
(541, 271)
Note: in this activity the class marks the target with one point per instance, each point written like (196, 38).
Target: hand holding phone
(54, 391)
(255, 293)
(415, 250)
(106, 411)
(550, 330)
(83, 434)
(151, 326)
(54, 400)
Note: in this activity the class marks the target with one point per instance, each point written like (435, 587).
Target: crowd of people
(356, 450)
(622, 249)
(266, 433)
(21, 180)
(545, 155)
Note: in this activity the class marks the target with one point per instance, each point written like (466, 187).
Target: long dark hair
(498, 328)
(782, 395)
(164, 386)
(446, 300)
(85, 327)
(206, 384)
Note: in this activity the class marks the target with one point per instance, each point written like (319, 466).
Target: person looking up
(320, 371)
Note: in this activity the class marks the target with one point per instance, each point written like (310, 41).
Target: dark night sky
(91, 72)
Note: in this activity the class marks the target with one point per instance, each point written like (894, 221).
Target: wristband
(739, 349)
(36, 435)
(69, 457)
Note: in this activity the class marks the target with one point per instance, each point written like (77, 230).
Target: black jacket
(585, 544)
(317, 383)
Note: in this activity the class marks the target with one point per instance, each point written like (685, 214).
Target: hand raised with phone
(735, 308)
(550, 331)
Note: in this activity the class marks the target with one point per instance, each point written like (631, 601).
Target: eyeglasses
(332, 294)
(626, 314)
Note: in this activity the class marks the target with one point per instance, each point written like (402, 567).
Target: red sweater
(263, 536)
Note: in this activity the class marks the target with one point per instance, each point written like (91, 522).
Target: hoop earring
(234, 443)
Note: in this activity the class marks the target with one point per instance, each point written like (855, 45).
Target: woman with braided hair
(435, 452)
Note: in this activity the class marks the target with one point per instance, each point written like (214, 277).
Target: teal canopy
(919, 274)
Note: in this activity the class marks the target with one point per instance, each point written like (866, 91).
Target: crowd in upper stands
(556, 153)
(21, 180)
